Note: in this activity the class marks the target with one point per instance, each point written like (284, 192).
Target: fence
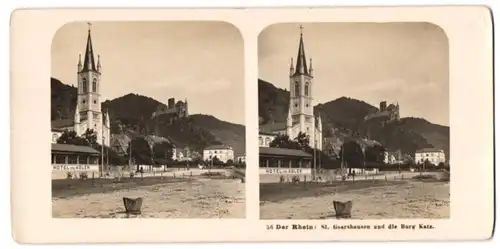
(337, 176)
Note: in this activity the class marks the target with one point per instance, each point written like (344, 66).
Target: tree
(91, 136)
(229, 162)
(198, 161)
(70, 137)
(302, 140)
(283, 141)
(407, 159)
(163, 150)
(352, 154)
(243, 164)
(110, 156)
(427, 164)
(195, 155)
(141, 151)
(216, 161)
(375, 154)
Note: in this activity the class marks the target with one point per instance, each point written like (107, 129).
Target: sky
(198, 61)
(406, 63)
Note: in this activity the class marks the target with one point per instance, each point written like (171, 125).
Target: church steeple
(301, 67)
(79, 66)
(89, 61)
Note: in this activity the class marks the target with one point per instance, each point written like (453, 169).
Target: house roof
(367, 142)
(218, 147)
(57, 129)
(62, 123)
(73, 148)
(156, 139)
(267, 133)
(122, 139)
(428, 150)
(272, 127)
(271, 151)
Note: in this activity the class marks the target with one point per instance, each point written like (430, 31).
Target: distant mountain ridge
(408, 134)
(132, 114)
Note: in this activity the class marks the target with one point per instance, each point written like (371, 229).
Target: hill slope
(199, 131)
(132, 113)
(63, 100)
(409, 134)
(273, 102)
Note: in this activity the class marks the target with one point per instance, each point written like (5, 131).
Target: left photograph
(147, 120)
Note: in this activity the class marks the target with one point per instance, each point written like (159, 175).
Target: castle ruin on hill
(389, 113)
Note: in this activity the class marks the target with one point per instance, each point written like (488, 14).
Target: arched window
(94, 85)
(297, 89)
(84, 85)
(306, 89)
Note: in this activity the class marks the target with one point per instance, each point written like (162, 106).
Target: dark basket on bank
(132, 206)
(342, 209)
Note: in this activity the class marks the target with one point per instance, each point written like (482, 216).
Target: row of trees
(351, 152)
(140, 151)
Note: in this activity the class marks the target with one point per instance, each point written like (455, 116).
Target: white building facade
(222, 152)
(433, 155)
(265, 139)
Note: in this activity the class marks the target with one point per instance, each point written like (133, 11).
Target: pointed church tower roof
(89, 61)
(301, 66)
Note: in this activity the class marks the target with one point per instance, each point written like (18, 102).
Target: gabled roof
(270, 151)
(122, 139)
(367, 142)
(156, 139)
(272, 127)
(73, 148)
(62, 123)
(267, 133)
(57, 129)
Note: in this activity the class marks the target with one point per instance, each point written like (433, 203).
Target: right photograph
(354, 121)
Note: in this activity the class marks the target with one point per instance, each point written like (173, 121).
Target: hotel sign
(284, 171)
(74, 167)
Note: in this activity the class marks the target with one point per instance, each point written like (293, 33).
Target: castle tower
(88, 98)
(301, 100)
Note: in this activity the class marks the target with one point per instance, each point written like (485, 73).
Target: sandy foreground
(163, 198)
(377, 199)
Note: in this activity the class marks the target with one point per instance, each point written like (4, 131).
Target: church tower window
(94, 85)
(84, 85)
(297, 89)
(306, 89)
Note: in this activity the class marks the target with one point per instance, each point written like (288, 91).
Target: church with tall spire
(301, 117)
(88, 112)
